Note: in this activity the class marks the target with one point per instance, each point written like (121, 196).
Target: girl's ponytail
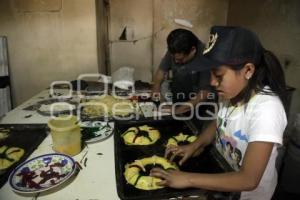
(271, 73)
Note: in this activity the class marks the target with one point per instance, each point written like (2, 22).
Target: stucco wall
(151, 21)
(277, 23)
(48, 41)
(201, 13)
(136, 52)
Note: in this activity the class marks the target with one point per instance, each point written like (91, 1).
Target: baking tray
(26, 136)
(205, 163)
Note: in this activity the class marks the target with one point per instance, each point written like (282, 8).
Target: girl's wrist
(203, 141)
(189, 182)
(197, 144)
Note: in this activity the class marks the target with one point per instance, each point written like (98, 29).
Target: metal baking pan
(25, 136)
(205, 163)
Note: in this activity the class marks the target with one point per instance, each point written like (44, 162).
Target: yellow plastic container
(66, 137)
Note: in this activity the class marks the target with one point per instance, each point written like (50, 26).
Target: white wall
(48, 40)
(136, 52)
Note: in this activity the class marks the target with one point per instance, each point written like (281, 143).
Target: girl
(251, 119)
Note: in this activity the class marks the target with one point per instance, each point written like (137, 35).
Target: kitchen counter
(97, 178)
(95, 181)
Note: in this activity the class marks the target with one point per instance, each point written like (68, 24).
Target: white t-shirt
(262, 119)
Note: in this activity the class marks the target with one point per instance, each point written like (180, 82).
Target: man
(190, 80)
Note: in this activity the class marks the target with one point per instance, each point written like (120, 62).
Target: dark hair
(237, 46)
(181, 41)
(267, 72)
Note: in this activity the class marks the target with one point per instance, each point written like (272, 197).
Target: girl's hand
(171, 178)
(194, 148)
(184, 151)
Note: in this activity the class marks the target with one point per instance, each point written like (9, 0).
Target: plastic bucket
(66, 136)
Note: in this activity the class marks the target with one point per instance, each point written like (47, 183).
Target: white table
(96, 181)
(18, 115)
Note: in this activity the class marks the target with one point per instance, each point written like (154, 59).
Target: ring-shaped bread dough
(141, 135)
(181, 138)
(134, 177)
(9, 156)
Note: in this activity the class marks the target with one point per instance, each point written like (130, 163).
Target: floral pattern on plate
(42, 173)
(95, 131)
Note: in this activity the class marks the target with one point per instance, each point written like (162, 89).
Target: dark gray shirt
(188, 77)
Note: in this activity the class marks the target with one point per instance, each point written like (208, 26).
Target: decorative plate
(95, 131)
(42, 173)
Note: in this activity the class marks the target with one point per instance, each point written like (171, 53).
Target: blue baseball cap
(227, 45)
(233, 46)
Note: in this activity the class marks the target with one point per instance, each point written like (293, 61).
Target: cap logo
(212, 41)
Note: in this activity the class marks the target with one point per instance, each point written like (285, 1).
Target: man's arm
(161, 73)
(157, 80)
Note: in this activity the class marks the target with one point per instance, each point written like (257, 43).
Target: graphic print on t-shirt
(227, 145)
(262, 119)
